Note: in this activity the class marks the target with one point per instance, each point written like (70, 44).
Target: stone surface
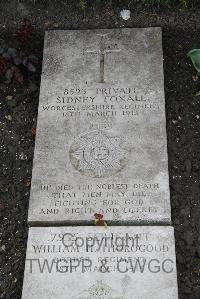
(100, 263)
(101, 136)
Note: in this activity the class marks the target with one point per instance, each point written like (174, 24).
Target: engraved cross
(103, 50)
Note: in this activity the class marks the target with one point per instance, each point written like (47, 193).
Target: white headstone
(101, 132)
(100, 263)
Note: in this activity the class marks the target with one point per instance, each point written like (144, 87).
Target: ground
(18, 118)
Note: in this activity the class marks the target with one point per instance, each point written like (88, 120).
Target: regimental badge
(97, 154)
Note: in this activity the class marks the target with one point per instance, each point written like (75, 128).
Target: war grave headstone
(101, 149)
(100, 263)
(101, 142)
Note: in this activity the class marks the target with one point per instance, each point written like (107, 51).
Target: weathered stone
(100, 263)
(101, 136)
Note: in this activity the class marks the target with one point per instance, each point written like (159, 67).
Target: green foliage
(149, 3)
(83, 4)
(184, 3)
(158, 2)
(194, 55)
(167, 3)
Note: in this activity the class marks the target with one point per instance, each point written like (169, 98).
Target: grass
(149, 3)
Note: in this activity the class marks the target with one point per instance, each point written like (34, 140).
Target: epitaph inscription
(100, 263)
(101, 132)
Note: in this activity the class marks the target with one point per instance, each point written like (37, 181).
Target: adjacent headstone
(101, 136)
(100, 263)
